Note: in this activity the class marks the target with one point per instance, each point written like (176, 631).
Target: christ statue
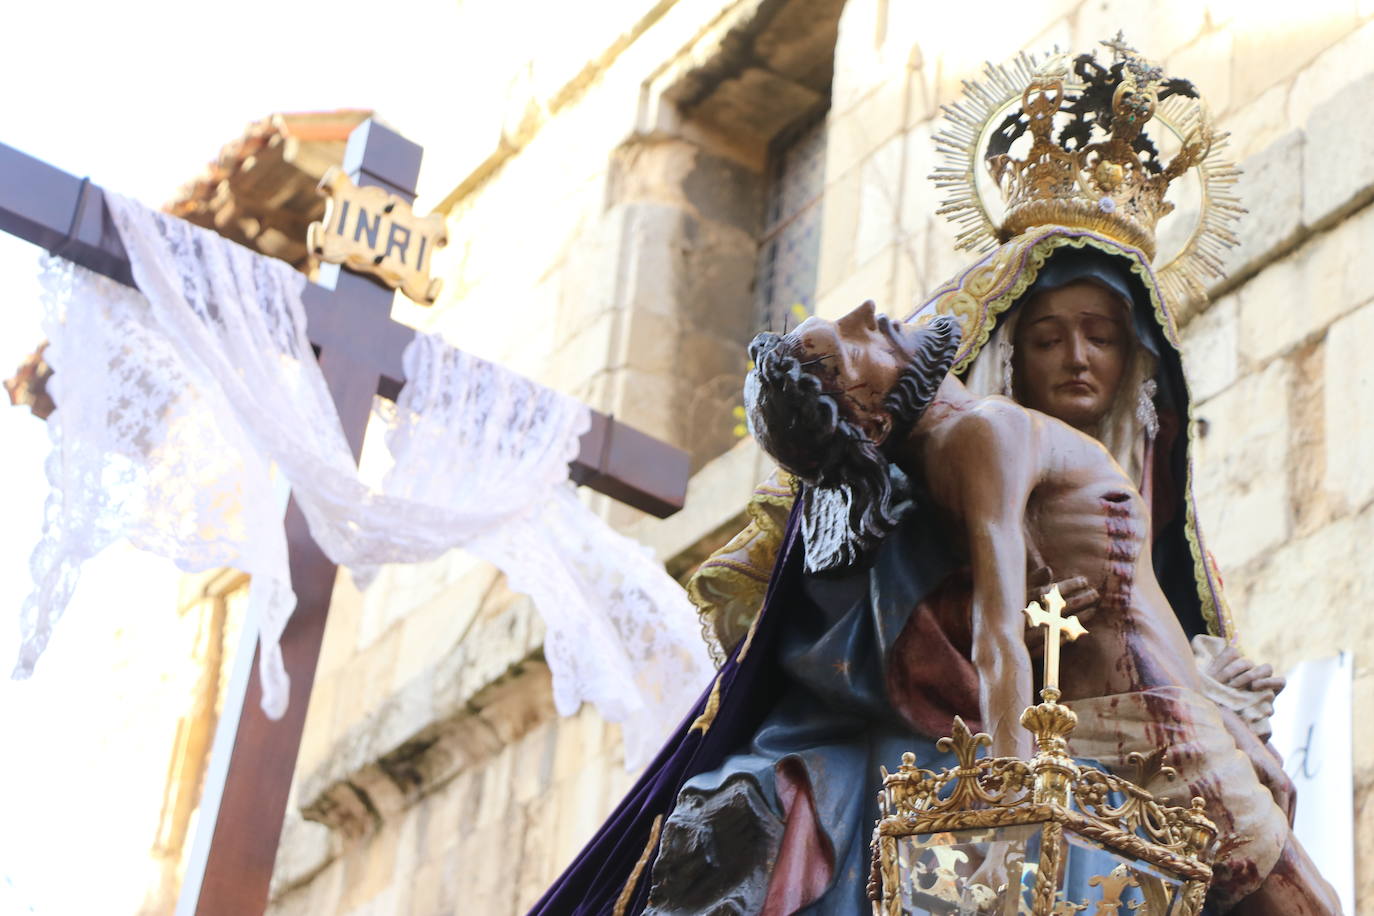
(837, 402)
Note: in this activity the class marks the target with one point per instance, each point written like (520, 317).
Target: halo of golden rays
(963, 140)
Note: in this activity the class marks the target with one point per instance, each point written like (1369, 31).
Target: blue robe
(811, 686)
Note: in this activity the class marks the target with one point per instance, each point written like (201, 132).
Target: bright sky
(139, 96)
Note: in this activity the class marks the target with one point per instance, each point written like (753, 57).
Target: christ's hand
(1080, 599)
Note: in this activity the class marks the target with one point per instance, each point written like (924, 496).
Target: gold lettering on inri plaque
(374, 232)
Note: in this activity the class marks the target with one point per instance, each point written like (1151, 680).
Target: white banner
(1312, 724)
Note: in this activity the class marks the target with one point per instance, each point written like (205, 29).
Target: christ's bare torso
(1085, 518)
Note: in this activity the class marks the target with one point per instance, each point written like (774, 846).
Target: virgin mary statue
(764, 799)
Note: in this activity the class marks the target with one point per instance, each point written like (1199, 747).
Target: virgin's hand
(1231, 668)
(1234, 670)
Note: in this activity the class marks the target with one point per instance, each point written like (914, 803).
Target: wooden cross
(1056, 626)
(359, 349)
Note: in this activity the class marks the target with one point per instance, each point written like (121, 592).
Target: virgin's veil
(1149, 428)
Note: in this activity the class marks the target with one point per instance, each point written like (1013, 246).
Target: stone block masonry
(608, 248)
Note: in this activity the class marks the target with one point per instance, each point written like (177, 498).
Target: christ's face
(1071, 350)
(859, 357)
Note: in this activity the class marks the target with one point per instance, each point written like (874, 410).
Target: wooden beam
(68, 216)
(249, 776)
(631, 466)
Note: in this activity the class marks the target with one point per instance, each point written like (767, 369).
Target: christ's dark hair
(849, 503)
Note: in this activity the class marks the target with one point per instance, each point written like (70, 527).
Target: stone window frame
(217, 600)
(793, 208)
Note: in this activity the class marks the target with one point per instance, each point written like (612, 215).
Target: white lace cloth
(174, 403)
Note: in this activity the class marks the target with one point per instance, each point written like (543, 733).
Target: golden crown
(1088, 161)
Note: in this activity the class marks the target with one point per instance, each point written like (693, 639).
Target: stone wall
(607, 249)
(614, 220)
(1275, 364)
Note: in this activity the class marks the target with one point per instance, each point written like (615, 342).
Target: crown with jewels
(1090, 163)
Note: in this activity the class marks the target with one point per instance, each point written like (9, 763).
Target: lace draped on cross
(176, 402)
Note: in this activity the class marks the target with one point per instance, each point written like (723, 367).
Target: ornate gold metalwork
(1050, 722)
(1099, 171)
(893, 903)
(1194, 895)
(1050, 791)
(1056, 625)
(1112, 887)
(1051, 864)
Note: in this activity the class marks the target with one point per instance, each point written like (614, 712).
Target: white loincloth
(1209, 765)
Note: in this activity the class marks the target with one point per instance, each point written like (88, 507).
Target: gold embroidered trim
(729, 587)
(708, 715)
(748, 570)
(1216, 612)
(749, 638)
(628, 891)
(968, 298)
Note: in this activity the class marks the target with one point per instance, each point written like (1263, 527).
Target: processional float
(1070, 836)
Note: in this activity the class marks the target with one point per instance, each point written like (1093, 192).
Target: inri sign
(377, 233)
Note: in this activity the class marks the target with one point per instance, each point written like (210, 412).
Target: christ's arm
(993, 463)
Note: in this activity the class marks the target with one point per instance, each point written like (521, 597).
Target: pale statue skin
(1015, 481)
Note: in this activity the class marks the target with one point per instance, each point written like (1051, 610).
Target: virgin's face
(1071, 350)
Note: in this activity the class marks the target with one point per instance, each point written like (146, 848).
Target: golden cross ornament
(1118, 45)
(1050, 617)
